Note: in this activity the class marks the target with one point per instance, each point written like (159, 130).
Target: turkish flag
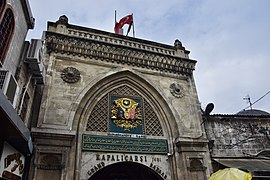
(125, 20)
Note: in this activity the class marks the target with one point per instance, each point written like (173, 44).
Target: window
(9, 86)
(7, 23)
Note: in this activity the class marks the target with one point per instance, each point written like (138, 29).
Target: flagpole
(133, 26)
(114, 19)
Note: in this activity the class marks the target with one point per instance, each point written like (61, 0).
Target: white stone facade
(84, 68)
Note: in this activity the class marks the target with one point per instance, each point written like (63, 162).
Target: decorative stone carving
(116, 54)
(98, 120)
(70, 75)
(178, 44)
(50, 162)
(63, 20)
(177, 90)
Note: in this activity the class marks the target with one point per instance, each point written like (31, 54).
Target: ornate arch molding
(103, 85)
(145, 118)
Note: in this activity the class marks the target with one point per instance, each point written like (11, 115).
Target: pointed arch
(7, 25)
(126, 170)
(98, 118)
(104, 84)
(101, 86)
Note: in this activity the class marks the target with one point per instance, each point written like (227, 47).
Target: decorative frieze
(119, 41)
(118, 54)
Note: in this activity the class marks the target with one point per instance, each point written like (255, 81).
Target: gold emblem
(126, 113)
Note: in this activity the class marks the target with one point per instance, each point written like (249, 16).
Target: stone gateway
(116, 107)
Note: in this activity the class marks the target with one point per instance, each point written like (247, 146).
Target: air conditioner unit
(9, 86)
(35, 61)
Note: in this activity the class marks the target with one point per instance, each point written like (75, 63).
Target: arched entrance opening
(126, 171)
(98, 108)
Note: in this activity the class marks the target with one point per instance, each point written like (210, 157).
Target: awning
(249, 164)
(229, 174)
(12, 128)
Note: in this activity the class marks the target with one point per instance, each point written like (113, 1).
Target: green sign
(122, 144)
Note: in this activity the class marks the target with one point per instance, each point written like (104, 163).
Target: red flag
(125, 20)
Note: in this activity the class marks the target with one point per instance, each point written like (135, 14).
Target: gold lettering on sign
(121, 144)
(158, 170)
(95, 168)
(156, 159)
(120, 158)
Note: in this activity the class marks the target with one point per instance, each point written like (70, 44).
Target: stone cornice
(117, 53)
(184, 145)
(95, 34)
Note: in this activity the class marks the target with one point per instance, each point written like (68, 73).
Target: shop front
(15, 142)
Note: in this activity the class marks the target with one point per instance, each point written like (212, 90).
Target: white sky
(230, 39)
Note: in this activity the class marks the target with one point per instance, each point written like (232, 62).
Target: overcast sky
(230, 39)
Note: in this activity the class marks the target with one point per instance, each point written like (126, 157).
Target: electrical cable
(257, 100)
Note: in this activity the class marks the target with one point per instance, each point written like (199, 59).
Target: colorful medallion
(126, 115)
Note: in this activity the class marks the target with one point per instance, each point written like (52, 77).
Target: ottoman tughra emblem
(177, 90)
(126, 113)
(70, 75)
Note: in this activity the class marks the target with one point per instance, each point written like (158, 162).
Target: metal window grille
(98, 119)
(6, 31)
(3, 75)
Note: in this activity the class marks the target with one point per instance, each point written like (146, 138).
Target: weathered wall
(237, 136)
(160, 74)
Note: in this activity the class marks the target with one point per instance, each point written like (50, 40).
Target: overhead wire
(251, 104)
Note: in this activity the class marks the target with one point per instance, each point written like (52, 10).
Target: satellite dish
(209, 108)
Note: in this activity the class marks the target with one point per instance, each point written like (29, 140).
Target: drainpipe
(23, 93)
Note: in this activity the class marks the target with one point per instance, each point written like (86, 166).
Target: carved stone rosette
(177, 90)
(70, 75)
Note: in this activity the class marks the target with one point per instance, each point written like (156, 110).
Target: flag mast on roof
(125, 20)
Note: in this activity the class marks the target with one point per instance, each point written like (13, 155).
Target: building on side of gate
(240, 141)
(21, 82)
